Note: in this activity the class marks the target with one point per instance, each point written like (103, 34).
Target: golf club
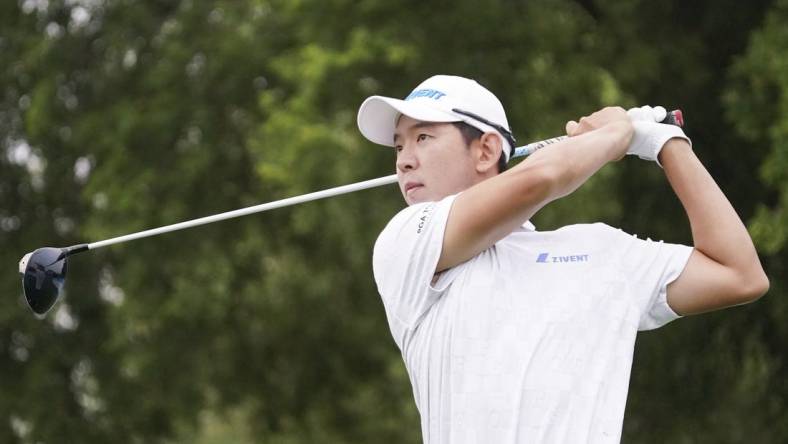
(44, 270)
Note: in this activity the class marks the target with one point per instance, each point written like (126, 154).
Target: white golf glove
(650, 136)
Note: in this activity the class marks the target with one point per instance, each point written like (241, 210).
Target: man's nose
(406, 160)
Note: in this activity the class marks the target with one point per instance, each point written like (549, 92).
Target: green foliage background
(120, 115)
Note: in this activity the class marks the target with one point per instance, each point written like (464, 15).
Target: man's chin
(415, 195)
(418, 197)
(414, 201)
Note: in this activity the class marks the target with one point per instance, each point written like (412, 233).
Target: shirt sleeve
(404, 260)
(650, 266)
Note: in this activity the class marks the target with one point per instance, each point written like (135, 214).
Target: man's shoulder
(419, 210)
(412, 219)
(400, 223)
(412, 224)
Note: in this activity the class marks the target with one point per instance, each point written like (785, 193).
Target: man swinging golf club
(512, 335)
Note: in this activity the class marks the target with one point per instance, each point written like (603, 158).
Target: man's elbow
(753, 286)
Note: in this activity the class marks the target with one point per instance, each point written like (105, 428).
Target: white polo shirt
(531, 340)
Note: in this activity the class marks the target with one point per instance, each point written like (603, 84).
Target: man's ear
(488, 152)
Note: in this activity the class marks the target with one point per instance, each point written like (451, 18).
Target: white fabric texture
(649, 138)
(530, 341)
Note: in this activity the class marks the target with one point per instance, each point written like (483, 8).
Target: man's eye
(422, 137)
(398, 148)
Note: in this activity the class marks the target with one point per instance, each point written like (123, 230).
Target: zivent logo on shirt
(545, 258)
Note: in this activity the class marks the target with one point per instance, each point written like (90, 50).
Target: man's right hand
(614, 115)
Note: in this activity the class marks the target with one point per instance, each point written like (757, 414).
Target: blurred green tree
(118, 116)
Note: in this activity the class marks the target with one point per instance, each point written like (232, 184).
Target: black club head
(43, 275)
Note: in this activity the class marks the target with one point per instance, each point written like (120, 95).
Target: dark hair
(470, 133)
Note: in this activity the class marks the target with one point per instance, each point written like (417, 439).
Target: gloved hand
(647, 113)
(650, 136)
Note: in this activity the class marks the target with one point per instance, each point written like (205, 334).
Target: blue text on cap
(429, 93)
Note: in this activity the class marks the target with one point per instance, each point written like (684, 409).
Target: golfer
(514, 335)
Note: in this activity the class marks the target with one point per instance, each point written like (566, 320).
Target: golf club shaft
(674, 117)
(330, 192)
(336, 191)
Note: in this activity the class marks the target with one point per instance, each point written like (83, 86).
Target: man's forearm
(717, 231)
(573, 161)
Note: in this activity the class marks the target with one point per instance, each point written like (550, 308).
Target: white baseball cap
(440, 98)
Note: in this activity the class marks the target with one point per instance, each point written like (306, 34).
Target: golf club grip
(675, 117)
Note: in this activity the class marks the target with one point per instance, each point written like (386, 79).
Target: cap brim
(377, 117)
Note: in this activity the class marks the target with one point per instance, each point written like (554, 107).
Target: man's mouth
(411, 187)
